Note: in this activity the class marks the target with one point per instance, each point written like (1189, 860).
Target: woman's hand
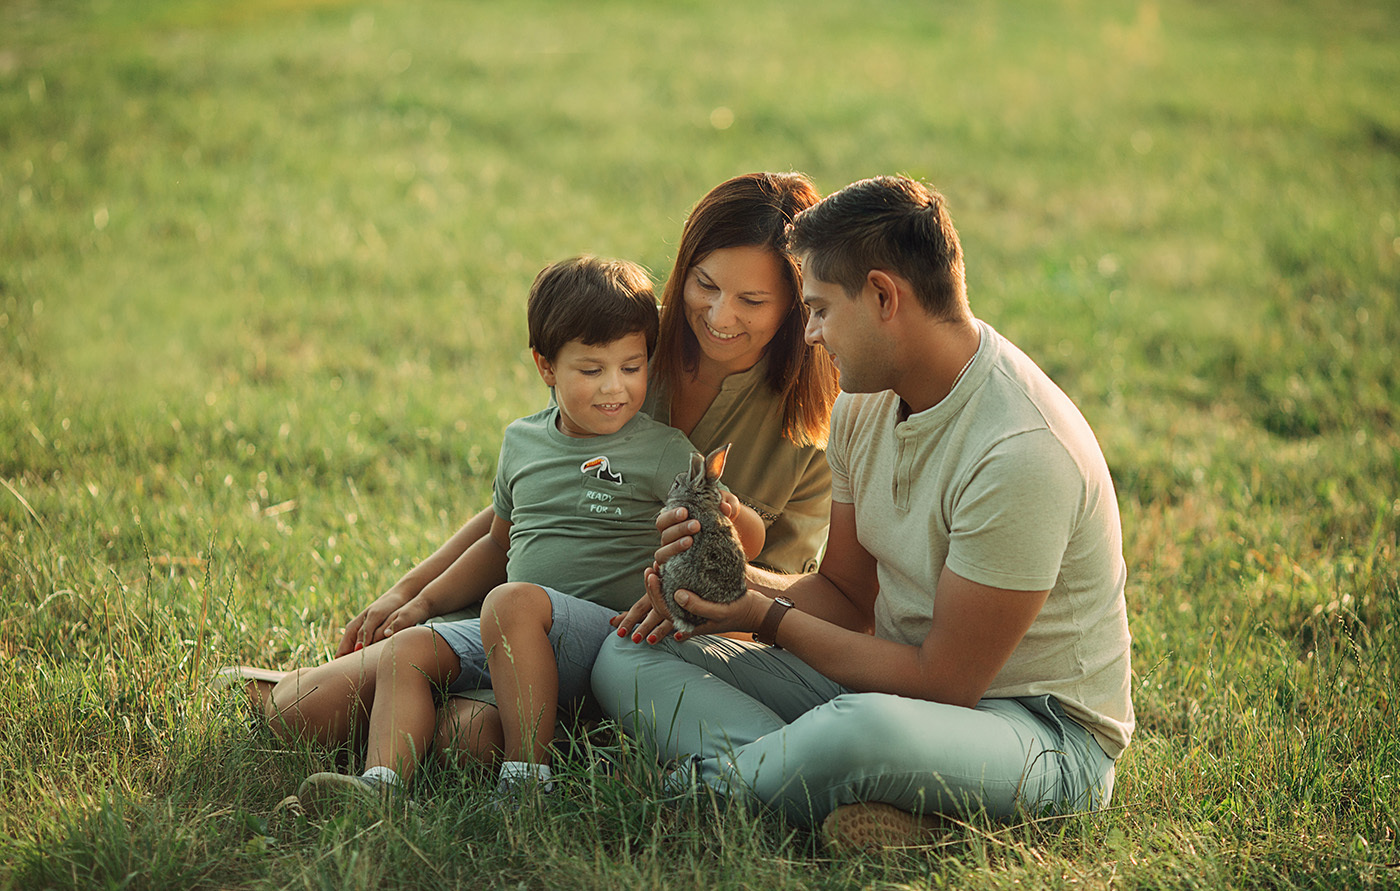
(368, 626)
(677, 530)
(648, 619)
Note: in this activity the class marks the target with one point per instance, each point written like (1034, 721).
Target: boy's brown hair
(591, 300)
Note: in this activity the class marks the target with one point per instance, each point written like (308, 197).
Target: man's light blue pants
(761, 726)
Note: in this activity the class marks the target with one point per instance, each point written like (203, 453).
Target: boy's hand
(367, 627)
(729, 504)
(412, 613)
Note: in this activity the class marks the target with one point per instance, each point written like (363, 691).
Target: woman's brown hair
(753, 210)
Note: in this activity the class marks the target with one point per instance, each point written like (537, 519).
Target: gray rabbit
(713, 566)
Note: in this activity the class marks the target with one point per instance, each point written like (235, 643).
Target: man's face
(847, 328)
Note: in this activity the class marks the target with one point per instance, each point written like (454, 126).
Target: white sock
(382, 775)
(513, 773)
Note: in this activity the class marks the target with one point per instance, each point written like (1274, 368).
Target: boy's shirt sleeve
(501, 500)
(674, 459)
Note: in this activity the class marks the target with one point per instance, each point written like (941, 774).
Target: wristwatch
(767, 632)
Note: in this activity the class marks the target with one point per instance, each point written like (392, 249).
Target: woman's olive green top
(787, 485)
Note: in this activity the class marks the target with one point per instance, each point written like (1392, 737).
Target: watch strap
(767, 632)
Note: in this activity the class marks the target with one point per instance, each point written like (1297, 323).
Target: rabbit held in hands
(713, 566)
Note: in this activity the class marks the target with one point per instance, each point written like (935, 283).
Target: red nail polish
(636, 638)
(651, 638)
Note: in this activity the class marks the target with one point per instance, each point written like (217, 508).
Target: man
(964, 646)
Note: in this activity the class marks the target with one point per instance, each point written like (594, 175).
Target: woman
(731, 366)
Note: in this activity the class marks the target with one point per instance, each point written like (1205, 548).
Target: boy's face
(599, 387)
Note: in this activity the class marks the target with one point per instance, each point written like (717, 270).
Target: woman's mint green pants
(759, 725)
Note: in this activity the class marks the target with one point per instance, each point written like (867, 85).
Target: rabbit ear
(697, 470)
(714, 462)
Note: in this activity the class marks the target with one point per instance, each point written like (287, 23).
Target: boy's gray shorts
(578, 630)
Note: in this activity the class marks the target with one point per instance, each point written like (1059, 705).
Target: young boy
(577, 490)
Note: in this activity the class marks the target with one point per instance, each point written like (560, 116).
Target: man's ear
(545, 368)
(887, 292)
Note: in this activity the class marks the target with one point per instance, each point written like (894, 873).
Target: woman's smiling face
(735, 301)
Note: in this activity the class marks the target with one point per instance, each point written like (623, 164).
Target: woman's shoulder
(651, 430)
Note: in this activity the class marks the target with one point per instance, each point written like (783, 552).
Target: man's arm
(843, 590)
(974, 630)
(845, 560)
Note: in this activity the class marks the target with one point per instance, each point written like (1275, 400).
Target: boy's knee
(411, 647)
(514, 605)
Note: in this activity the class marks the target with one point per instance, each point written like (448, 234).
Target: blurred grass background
(262, 276)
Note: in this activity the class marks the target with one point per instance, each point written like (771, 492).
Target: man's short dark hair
(891, 223)
(591, 300)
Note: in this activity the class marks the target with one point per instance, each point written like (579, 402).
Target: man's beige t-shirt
(1004, 484)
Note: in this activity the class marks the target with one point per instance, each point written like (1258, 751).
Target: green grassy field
(262, 277)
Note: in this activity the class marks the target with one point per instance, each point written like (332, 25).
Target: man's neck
(935, 357)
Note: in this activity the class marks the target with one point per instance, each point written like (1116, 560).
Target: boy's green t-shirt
(583, 511)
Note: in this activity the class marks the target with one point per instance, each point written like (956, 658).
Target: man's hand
(649, 619)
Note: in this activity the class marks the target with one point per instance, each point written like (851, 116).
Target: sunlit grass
(262, 276)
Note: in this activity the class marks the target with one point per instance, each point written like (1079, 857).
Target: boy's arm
(368, 627)
(747, 523)
(469, 579)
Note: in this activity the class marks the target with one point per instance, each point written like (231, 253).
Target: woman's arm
(368, 626)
